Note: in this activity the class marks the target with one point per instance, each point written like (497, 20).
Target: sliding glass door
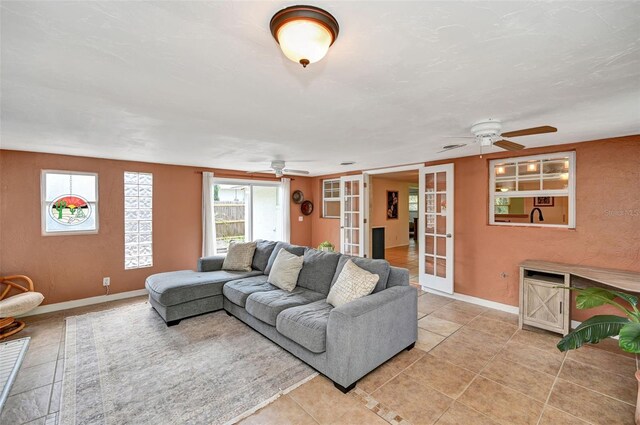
(245, 211)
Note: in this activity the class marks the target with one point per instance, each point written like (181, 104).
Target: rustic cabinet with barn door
(543, 304)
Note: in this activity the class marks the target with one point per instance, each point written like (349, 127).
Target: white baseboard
(486, 303)
(475, 300)
(49, 308)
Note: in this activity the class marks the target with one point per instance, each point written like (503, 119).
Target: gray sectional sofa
(343, 343)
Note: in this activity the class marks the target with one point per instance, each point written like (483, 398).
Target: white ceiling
(203, 83)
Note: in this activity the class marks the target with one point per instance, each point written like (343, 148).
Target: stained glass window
(138, 204)
(69, 202)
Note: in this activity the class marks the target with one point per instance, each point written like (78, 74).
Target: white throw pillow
(353, 282)
(285, 270)
(239, 257)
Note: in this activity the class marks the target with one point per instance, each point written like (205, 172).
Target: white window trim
(324, 200)
(44, 209)
(570, 191)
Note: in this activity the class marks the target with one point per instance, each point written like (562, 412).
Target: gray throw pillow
(239, 257)
(285, 270)
(264, 249)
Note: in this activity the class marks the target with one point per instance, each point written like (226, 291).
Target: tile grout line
(546, 403)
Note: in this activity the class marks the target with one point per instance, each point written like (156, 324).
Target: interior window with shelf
(331, 198)
(533, 191)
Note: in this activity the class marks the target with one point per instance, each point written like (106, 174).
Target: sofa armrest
(210, 264)
(363, 334)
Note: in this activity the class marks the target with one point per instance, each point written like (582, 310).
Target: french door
(436, 228)
(352, 215)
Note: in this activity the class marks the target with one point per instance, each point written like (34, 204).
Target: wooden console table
(544, 305)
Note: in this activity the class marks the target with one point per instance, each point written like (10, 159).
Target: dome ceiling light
(304, 33)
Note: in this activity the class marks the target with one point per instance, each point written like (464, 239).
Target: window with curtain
(246, 211)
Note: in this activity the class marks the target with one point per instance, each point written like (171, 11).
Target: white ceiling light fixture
(304, 33)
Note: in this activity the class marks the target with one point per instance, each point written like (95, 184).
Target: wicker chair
(25, 300)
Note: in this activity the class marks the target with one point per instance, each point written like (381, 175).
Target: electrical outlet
(106, 281)
(300, 218)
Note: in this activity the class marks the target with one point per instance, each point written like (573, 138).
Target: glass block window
(69, 202)
(138, 205)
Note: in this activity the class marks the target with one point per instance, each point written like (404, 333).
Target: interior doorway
(394, 218)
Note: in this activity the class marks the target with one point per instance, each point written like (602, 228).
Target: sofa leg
(343, 389)
(172, 323)
(410, 347)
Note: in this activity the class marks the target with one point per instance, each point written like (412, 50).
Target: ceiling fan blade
(510, 146)
(452, 147)
(530, 131)
(288, 171)
(261, 172)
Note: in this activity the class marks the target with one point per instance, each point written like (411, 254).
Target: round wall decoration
(297, 197)
(306, 207)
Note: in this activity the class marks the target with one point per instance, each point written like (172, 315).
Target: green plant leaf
(631, 299)
(593, 297)
(593, 330)
(630, 338)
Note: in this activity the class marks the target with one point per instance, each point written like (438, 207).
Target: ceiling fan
(489, 132)
(278, 168)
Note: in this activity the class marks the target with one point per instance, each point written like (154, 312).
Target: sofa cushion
(306, 325)
(239, 256)
(237, 291)
(318, 270)
(353, 283)
(379, 267)
(285, 270)
(177, 287)
(266, 306)
(264, 249)
(294, 249)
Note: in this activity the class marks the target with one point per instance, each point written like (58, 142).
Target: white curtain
(286, 209)
(208, 220)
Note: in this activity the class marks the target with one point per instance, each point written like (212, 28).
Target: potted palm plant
(599, 327)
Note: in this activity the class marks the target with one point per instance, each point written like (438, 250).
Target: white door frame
(360, 179)
(367, 201)
(445, 284)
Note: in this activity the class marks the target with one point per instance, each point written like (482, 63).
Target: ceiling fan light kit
(304, 33)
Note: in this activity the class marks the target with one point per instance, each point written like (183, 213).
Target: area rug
(125, 366)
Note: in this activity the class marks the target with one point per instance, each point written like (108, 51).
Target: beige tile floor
(471, 365)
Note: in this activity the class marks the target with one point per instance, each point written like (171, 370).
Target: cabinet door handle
(560, 307)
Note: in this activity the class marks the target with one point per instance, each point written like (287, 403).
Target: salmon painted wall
(607, 232)
(72, 267)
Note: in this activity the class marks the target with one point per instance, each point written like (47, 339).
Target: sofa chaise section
(184, 293)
